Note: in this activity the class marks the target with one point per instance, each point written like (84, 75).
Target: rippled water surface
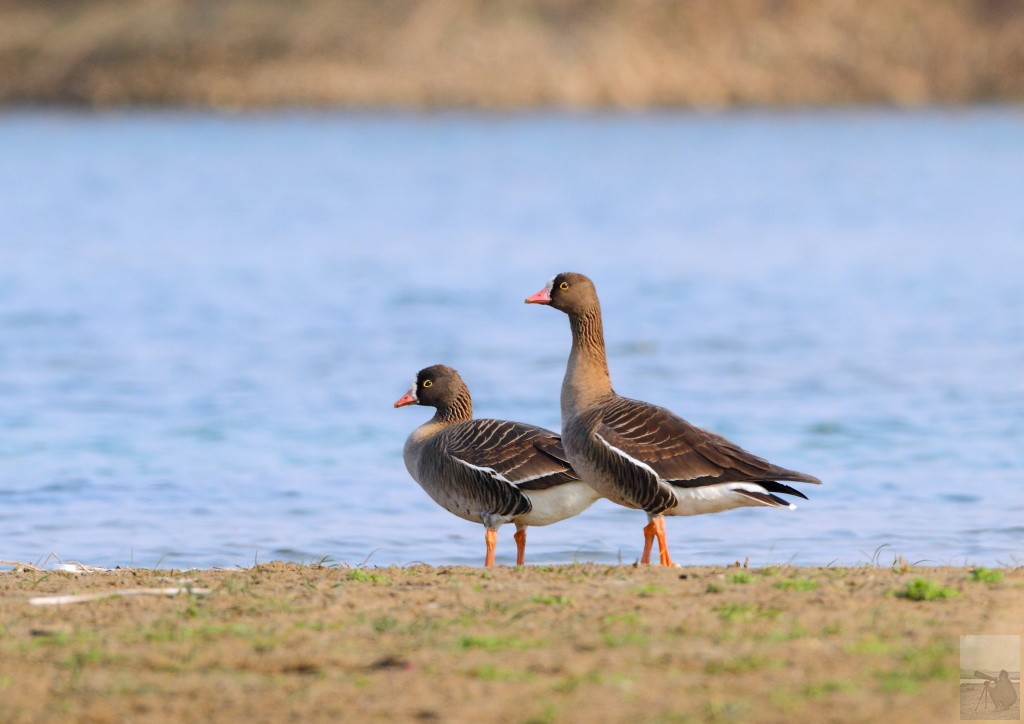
(204, 321)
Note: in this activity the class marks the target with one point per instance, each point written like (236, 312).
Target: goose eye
(563, 285)
(427, 383)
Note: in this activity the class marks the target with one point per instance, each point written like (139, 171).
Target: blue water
(204, 320)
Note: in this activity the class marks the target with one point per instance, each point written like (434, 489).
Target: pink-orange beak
(406, 399)
(541, 297)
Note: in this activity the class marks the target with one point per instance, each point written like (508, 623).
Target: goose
(641, 455)
(488, 471)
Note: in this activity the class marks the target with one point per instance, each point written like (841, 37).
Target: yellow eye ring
(563, 285)
(427, 383)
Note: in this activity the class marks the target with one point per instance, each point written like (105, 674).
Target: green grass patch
(714, 588)
(986, 575)
(741, 577)
(724, 711)
(548, 715)
(739, 665)
(233, 584)
(497, 673)
(797, 584)
(573, 681)
(624, 629)
(361, 576)
(796, 631)
(933, 661)
(745, 612)
(625, 638)
(552, 600)
(319, 625)
(821, 689)
(85, 657)
(630, 618)
(736, 611)
(54, 639)
(649, 589)
(925, 589)
(870, 645)
(193, 609)
(496, 643)
(260, 639)
(898, 682)
(384, 624)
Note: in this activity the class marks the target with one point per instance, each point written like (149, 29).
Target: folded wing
(489, 463)
(656, 446)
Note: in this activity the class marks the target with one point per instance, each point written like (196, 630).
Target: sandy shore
(585, 642)
(508, 55)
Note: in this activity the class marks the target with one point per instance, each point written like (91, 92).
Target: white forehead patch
(412, 390)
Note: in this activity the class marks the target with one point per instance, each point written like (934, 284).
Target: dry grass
(285, 642)
(511, 53)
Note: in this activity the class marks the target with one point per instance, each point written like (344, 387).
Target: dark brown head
(569, 292)
(437, 386)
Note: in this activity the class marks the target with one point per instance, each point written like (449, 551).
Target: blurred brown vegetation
(511, 53)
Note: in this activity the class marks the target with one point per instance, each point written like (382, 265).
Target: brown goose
(641, 455)
(488, 471)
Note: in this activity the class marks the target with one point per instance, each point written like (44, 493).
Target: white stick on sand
(85, 597)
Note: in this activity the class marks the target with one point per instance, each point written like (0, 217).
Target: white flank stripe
(490, 471)
(629, 457)
(534, 477)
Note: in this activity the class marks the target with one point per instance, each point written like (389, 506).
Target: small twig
(49, 556)
(873, 561)
(85, 597)
(19, 566)
(368, 557)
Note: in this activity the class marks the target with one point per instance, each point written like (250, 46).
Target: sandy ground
(285, 642)
(971, 706)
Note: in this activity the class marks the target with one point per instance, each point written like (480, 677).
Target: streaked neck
(586, 375)
(459, 409)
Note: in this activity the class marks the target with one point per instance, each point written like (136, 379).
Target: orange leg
(491, 539)
(659, 531)
(650, 531)
(520, 537)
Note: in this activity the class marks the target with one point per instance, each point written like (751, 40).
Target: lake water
(204, 320)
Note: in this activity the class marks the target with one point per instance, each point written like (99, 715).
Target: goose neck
(586, 375)
(457, 410)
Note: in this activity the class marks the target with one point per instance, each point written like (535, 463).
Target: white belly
(558, 503)
(599, 480)
(714, 498)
